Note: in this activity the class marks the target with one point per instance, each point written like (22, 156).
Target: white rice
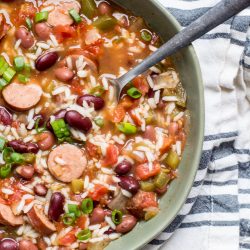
(110, 222)
(82, 73)
(178, 117)
(17, 44)
(7, 191)
(53, 40)
(150, 81)
(170, 98)
(86, 181)
(126, 193)
(42, 45)
(178, 147)
(114, 236)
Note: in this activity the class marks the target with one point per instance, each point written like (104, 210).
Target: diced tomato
(95, 48)
(63, 32)
(167, 143)
(141, 84)
(117, 114)
(92, 149)
(99, 192)
(111, 156)
(2, 201)
(26, 10)
(128, 103)
(76, 87)
(135, 118)
(68, 239)
(81, 221)
(146, 199)
(142, 171)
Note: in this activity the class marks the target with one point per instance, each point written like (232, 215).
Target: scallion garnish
(87, 206)
(146, 35)
(4, 67)
(41, 16)
(2, 143)
(116, 216)
(134, 93)
(28, 23)
(7, 154)
(99, 122)
(84, 235)
(16, 158)
(5, 171)
(75, 16)
(69, 219)
(8, 74)
(127, 128)
(3, 83)
(19, 63)
(61, 130)
(73, 208)
(22, 78)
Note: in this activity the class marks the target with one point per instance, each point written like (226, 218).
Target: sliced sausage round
(40, 221)
(8, 218)
(60, 14)
(22, 97)
(67, 162)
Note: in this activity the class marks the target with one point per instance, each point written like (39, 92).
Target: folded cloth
(216, 215)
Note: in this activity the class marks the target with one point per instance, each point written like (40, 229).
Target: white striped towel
(216, 215)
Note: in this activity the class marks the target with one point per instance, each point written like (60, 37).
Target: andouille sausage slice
(40, 221)
(8, 218)
(60, 14)
(67, 162)
(22, 97)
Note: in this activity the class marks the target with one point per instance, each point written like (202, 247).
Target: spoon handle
(212, 18)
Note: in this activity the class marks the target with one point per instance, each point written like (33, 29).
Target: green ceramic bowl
(164, 24)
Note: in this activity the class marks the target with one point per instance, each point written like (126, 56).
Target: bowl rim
(139, 243)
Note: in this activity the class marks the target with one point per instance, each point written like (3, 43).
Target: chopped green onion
(146, 35)
(99, 122)
(4, 67)
(89, 8)
(60, 129)
(127, 128)
(105, 23)
(2, 61)
(7, 154)
(3, 83)
(5, 171)
(22, 78)
(87, 206)
(116, 216)
(41, 16)
(9, 74)
(19, 63)
(73, 208)
(16, 158)
(29, 157)
(134, 93)
(147, 186)
(97, 91)
(75, 16)
(69, 219)
(27, 69)
(84, 234)
(2, 143)
(41, 129)
(28, 23)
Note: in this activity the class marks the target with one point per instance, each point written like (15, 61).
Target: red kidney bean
(45, 140)
(8, 244)
(104, 8)
(64, 74)
(42, 30)
(97, 216)
(123, 167)
(40, 190)
(46, 60)
(26, 172)
(129, 183)
(27, 40)
(58, 115)
(5, 116)
(151, 93)
(76, 120)
(109, 231)
(97, 101)
(27, 245)
(56, 206)
(127, 224)
(22, 147)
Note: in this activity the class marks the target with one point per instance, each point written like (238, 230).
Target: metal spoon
(212, 18)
